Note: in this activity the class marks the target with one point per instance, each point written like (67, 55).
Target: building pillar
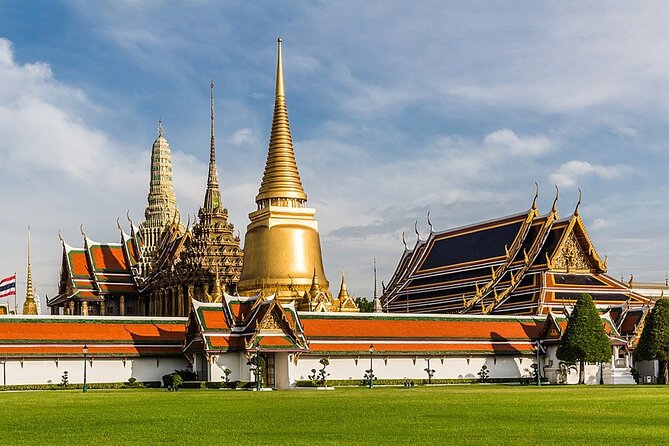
(121, 305)
(102, 308)
(180, 300)
(84, 308)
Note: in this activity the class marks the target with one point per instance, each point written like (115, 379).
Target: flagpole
(15, 310)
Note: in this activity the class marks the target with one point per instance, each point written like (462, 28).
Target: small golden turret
(343, 291)
(282, 247)
(29, 306)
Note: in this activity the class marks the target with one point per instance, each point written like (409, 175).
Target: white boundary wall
(99, 370)
(413, 368)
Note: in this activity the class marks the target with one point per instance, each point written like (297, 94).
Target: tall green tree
(365, 305)
(654, 341)
(585, 339)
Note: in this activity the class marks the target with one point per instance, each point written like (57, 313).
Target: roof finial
(404, 242)
(557, 195)
(579, 202)
(429, 223)
(81, 228)
(118, 223)
(536, 195)
(160, 128)
(60, 237)
(415, 228)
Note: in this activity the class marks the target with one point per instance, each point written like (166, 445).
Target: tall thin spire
(29, 306)
(281, 179)
(377, 302)
(212, 198)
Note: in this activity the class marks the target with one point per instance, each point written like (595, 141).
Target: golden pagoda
(282, 249)
(29, 306)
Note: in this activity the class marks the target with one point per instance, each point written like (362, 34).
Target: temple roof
(524, 263)
(49, 336)
(97, 270)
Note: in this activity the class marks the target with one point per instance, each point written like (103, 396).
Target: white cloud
(625, 131)
(507, 140)
(569, 174)
(245, 136)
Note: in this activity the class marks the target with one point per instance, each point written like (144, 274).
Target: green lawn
(470, 414)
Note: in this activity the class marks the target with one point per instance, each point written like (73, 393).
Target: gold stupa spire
(281, 179)
(29, 306)
(212, 198)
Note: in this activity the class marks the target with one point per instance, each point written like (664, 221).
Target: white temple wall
(407, 367)
(551, 370)
(236, 362)
(48, 371)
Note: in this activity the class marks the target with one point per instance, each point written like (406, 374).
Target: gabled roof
(96, 270)
(49, 336)
(337, 333)
(504, 266)
(263, 323)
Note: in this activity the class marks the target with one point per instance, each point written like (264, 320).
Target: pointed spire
(212, 198)
(29, 306)
(377, 301)
(281, 178)
(343, 291)
(315, 284)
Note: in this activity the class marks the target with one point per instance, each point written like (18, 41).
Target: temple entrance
(269, 372)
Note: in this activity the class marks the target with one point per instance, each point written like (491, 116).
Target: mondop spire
(212, 198)
(281, 179)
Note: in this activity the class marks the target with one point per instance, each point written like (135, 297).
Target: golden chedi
(282, 249)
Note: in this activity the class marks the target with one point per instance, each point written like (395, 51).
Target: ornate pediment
(271, 322)
(571, 257)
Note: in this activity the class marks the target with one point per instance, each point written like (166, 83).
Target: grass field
(470, 414)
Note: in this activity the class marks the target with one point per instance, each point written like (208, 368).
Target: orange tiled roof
(46, 335)
(318, 326)
(108, 258)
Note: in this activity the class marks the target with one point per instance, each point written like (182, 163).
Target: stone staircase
(617, 375)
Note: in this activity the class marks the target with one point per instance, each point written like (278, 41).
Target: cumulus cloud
(569, 174)
(58, 171)
(507, 140)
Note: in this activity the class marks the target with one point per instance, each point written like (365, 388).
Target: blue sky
(396, 108)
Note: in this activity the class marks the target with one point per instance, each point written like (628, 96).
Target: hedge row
(218, 385)
(400, 382)
(125, 385)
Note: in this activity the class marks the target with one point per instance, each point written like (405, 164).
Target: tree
(585, 339)
(364, 305)
(654, 341)
(257, 363)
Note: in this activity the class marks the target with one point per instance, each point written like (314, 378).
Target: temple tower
(162, 207)
(214, 254)
(29, 306)
(282, 248)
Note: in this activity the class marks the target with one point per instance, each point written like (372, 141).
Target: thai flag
(8, 286)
